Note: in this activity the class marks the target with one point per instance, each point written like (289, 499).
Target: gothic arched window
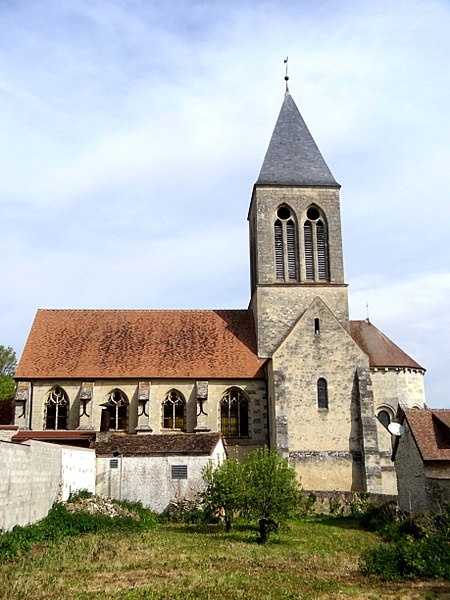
(56, 409)
(322, 393)
(234, 414)
(285, 245)
(174, 409)
(315, 239)
(118, 411)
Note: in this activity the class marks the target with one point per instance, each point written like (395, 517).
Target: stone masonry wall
(277, 305)
(412, 495)
(255, 390)
(324, 445)
(30, 481)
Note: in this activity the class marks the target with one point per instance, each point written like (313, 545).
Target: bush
(408, 558)
(419, 544)
(60, 523)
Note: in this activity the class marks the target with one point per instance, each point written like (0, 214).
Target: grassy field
(311, 560)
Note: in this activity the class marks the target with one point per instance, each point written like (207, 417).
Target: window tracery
(118, 411)
(234, 414)
(174, 409)
(56, 409)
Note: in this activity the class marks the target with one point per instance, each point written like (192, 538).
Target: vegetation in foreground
(308, 560)
(61, 523)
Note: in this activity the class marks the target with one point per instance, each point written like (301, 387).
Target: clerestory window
(234, 414)
(56, 409)
(315, 240)
(174, 409)
(285, 245)
(118, 411)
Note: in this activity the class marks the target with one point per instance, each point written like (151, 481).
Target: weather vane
(367, 312)
(286, 77)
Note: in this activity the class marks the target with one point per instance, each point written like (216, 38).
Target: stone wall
(34, 475)
(276, 304)
(30, 481)
(411, 481)
(254, 389)
(324, 445)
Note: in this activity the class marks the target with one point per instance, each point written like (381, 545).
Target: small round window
(313, 214)
(283, 212)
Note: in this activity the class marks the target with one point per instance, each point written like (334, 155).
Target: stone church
(291, 371)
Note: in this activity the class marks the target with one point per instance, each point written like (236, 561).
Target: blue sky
(131, 134)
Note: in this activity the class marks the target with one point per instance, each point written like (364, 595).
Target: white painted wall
(148, 479)
(77, 470)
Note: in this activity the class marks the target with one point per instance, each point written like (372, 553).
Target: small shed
(154, 469)
(422, 460)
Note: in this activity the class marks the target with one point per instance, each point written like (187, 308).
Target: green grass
(310, 560)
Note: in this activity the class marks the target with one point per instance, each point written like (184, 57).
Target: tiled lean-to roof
(156, 445)
(293, 157)
(141, 344)
(431, 432)
(382, 351)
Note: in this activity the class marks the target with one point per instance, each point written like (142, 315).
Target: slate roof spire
(293, 157)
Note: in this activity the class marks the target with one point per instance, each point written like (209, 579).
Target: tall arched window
(234, 414)
(56, 409)
(174, 408)
(285, 245)
(322, 394)
(315, 240)
(118, 411)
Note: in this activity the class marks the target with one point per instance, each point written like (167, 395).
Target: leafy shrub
(408, 558)
(60, 523)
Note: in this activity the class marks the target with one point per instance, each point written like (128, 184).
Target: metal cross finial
(286, 77)
(367, 312)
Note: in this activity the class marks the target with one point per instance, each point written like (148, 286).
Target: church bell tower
(295, 233)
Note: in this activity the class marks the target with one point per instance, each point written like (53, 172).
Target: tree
(8, 361)
(224, 488)
(272, 491)
(8, 364)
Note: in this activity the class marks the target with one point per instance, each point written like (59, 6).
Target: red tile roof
(382, 352)
(431, 432)
(141, 344)
(51, 435)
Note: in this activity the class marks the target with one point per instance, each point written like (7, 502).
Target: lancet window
(56, 409)
(118, 411)
(174, 409)
(322, 394)
(234, 414)
(285, 245)
(315, 239)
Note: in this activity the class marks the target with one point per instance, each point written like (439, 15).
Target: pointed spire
(293, 157)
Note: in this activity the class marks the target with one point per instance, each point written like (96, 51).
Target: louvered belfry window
(309, 250)
(315, 246)
(279, 252)
(285, 243)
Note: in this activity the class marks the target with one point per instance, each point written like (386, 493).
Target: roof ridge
(193, 310)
